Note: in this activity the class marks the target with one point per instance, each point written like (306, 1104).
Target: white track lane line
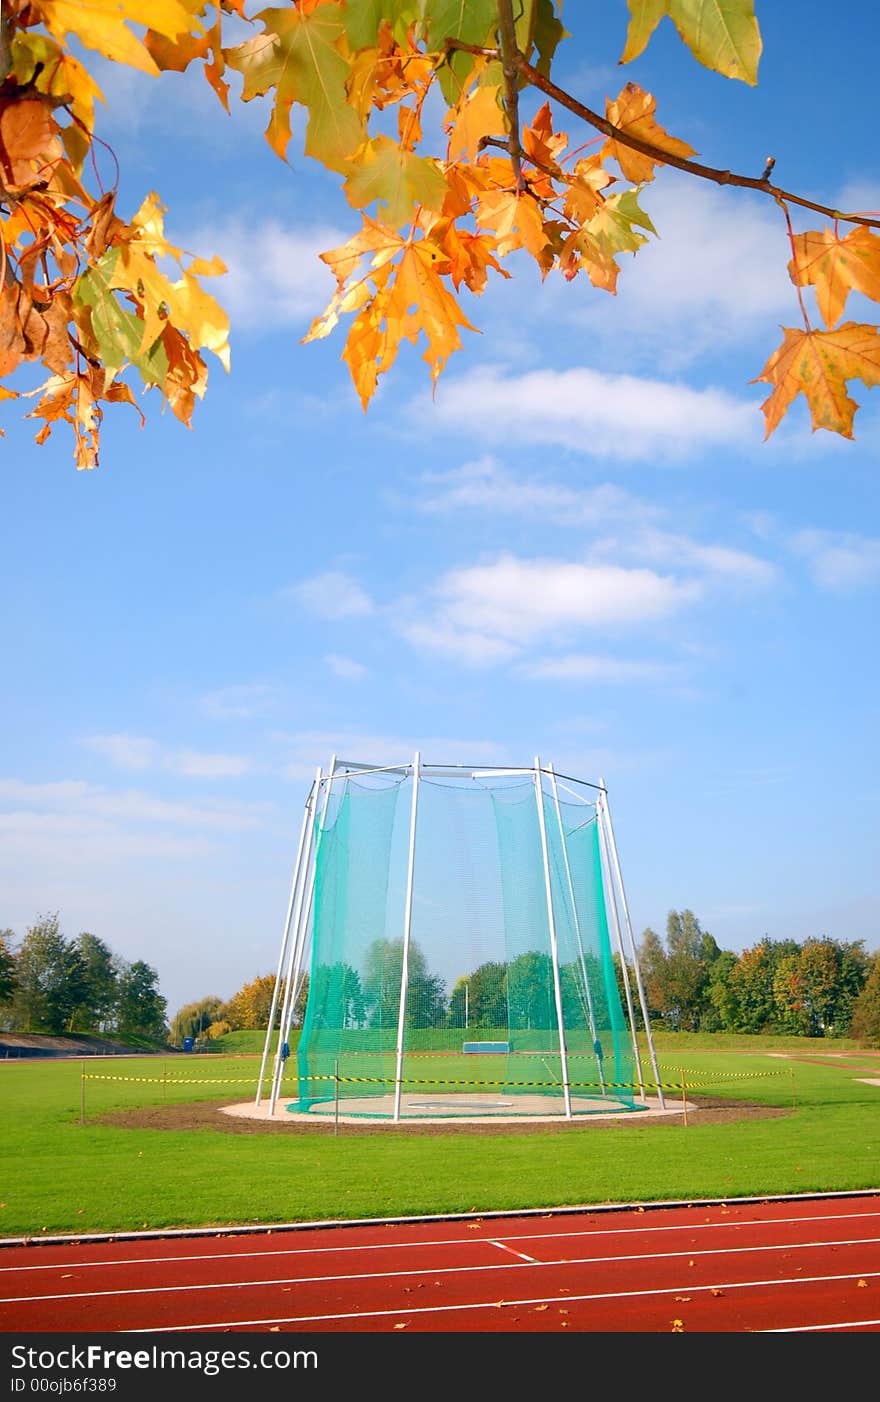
(502, 1246)
(821, 1328)
(440, 1241)
(526, 1263)
(488, 1305)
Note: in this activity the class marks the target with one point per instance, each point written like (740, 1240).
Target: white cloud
(723, 562)
(125, 751)
(197, 765)
(716, 273)
(597, 414)
(840, 560)
(520, 600)
(274, 274)
(77, 797)
(243, 702)
(346, 667)
(138, 752)
(485, 486)
(472, 648)
(333, 594)
(584, 667)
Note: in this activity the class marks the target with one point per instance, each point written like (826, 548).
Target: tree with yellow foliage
(442, 201)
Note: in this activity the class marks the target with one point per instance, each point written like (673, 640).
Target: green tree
(50, 979)
(531, 993)
(7, 966)
(193, 1019)
(815, 987)
(381, 977)
(865, 1021)
(487, 1005)
(100, 980)
(337, 997)
(678, 980)
(140, 1011)
(652, 963)
(745, 1000)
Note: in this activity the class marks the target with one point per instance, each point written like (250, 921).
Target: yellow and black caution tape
(178, 1080)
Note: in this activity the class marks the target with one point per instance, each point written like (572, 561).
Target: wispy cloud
(274, 276)
(595, 414)
(581, 667)
(346, 667)
(77, 797)
(724, 563)
(520, 600)
(242, 702)
(484, 485)
(333, 594)
(135, 752)
(840, 560)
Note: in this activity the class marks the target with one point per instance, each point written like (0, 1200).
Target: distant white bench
(496, 1047)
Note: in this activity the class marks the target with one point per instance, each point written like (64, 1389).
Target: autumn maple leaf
(633, 113)
(836, 266)
(818, 365)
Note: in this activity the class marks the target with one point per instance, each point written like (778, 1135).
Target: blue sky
(580, 547)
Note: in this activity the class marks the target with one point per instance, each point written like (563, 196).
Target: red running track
(750, 1266)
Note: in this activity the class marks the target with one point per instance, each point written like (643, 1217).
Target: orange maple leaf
(835, 266)
(818, 365)
(633, 113)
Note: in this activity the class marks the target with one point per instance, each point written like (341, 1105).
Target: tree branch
(510, 56)
(718, 177)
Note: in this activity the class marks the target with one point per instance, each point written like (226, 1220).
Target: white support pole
(643, 1002)
(611, 902)
(407, 926)
(299, 969)
(303, 902)
(557, 989)
(577, 929)
(298, 871)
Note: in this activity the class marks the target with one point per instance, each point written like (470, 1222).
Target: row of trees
(818, 988)
(52, 984)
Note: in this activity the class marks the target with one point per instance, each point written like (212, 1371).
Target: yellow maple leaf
(722, 36)
(835, 266)
(183, 302)
(818, 364)
(633, 113)
(478, 114)
(399, 295)
(517, 221)
(583, 195)
(104, 25)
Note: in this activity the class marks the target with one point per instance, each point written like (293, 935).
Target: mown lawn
(60, 1174)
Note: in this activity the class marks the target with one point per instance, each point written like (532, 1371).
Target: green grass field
(60, 1173)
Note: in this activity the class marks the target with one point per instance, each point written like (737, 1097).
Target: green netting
(486, 973)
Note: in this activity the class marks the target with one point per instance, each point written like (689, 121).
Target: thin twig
(719, 177)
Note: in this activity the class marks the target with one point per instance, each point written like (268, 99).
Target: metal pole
(615, 920)
(278, 1068)
(297, 874)
(304, 922)
(407, 924)
(606, 814)
(557, 989)
(577, 930)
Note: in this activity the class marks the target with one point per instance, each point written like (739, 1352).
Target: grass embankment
(62, 1175)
